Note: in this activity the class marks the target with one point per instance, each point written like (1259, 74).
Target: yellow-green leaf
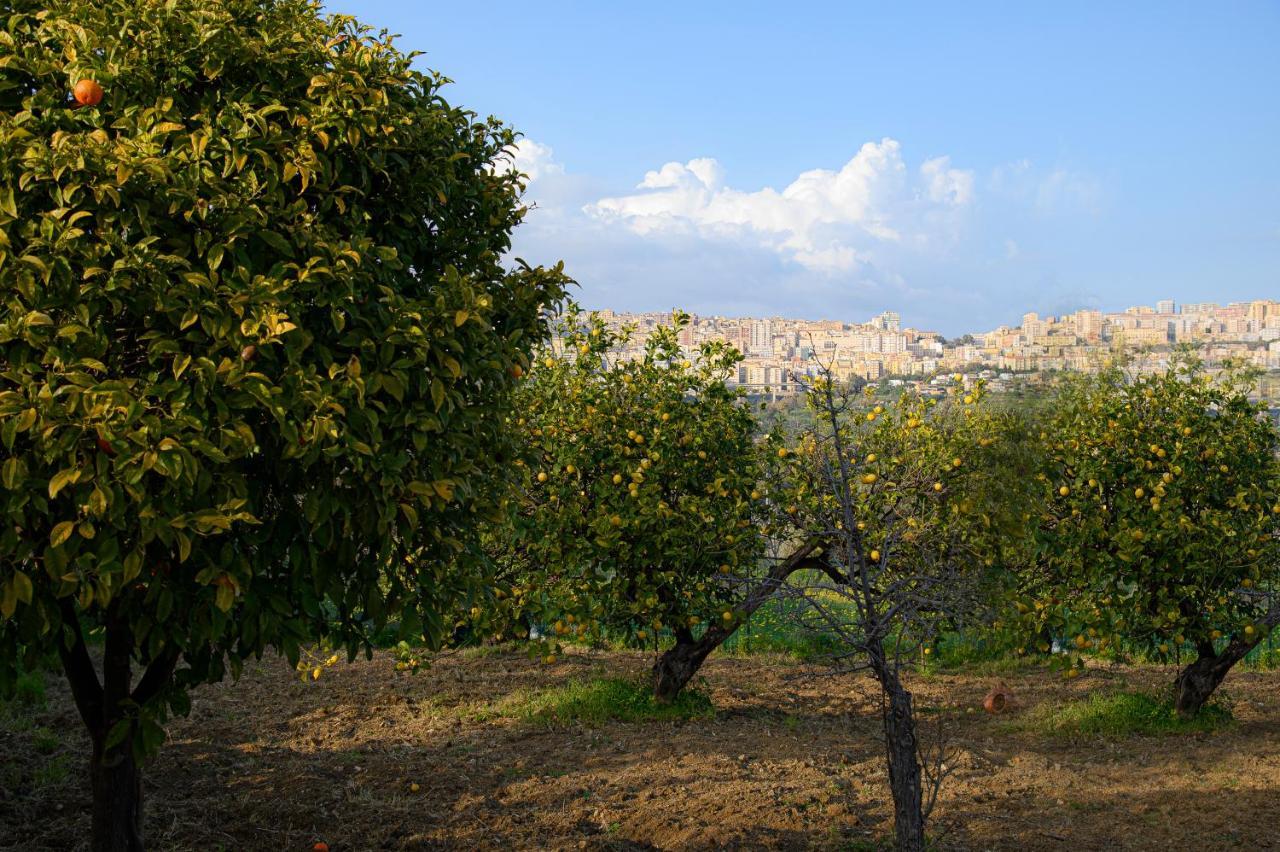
(60, 533)
(61, 479)
(225, 597)
(22, 586)
(132, 566)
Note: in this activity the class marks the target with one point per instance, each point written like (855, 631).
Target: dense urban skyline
(777, 349)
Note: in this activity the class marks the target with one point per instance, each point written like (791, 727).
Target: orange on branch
(87, 93)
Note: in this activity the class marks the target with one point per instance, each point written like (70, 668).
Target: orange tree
(256, 341)
(1160, 519)
(915, 521)
(635, 510)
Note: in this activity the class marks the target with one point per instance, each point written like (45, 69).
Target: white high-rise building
(762, 336)
(1166, 306)
(887, 321)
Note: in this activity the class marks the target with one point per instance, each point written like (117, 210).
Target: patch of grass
(787, 626)
(1123, 714)
(599, 700)
(54, 772)
(45, 741)
(480, 652)
(29, 690)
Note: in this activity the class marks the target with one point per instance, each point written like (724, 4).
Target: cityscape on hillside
(880, 349)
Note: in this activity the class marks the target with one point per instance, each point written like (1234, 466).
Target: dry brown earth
(791, 760)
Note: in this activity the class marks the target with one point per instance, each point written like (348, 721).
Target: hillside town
(776, 349)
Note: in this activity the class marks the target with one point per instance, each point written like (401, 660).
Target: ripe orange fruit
(87, 93)
(320, 847)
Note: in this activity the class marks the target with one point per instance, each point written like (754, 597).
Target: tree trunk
(905, 778)
(114, 774)
(117, 798)
(677, 666)
(1197, 681)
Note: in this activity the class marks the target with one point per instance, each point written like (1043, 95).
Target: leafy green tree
(1161, 521)
(256, 342)
(635, 510)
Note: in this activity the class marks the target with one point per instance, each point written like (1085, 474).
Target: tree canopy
(635, 506)
(1160, 519)
(256, 337)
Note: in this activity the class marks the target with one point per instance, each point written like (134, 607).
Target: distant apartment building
(761, 337)
(887, 321)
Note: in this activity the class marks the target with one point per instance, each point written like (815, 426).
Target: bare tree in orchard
(902, 499)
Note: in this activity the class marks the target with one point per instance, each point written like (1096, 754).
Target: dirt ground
(792, 760)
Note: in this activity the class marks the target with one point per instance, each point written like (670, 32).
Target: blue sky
(960, 163)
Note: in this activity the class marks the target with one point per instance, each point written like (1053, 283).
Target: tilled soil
(792, 760)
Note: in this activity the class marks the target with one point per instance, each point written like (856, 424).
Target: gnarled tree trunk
(677, 666)
(1197, 682)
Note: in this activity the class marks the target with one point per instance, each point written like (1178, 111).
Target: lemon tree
(634, 512)
(1161, 505)
(256, 342)
(914, 521)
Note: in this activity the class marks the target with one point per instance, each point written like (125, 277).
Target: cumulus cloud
(828, 221)
(950, 249)
(533, 159)
(945, 184)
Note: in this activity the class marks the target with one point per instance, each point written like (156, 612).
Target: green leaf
(22, 586)
(13, 473)
(132, 566)
(61, 479)
(61, 532)
(26, 420)
(117, 734)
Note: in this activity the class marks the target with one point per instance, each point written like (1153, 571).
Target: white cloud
(825, 221)
(949, 249)
(533, 159)
(945, 184)
(1056, 192)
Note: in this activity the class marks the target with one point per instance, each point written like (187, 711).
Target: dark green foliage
(256, 334)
